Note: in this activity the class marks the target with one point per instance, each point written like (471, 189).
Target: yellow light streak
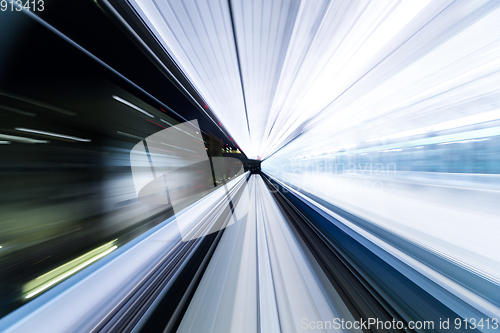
(60, 273)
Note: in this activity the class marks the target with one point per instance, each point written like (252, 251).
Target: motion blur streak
(259, 279)
(45, 281)
(52, 134)
(20, 139)
(347, 64)
(133, 106)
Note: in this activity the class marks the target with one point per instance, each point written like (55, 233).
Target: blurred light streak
(129, 135)
(24, 113)
(166, 122)
(177, 147)
(21, 139)
(475, 119)
(135, 107)
(276, 266)
(442, 139)
(62, 272)
(34, 102)
(4, 142)
(56, 135)
(168, 151)
(156, 123)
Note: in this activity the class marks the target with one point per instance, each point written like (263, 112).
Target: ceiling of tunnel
(270, 70)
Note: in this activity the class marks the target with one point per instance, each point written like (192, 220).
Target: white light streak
(456, 123)
(129, 135)
(21, 139)
(70, 272)
(166, 122)
(56, 135)
(135, 107)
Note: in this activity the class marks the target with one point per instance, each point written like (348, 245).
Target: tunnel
(249, 166)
